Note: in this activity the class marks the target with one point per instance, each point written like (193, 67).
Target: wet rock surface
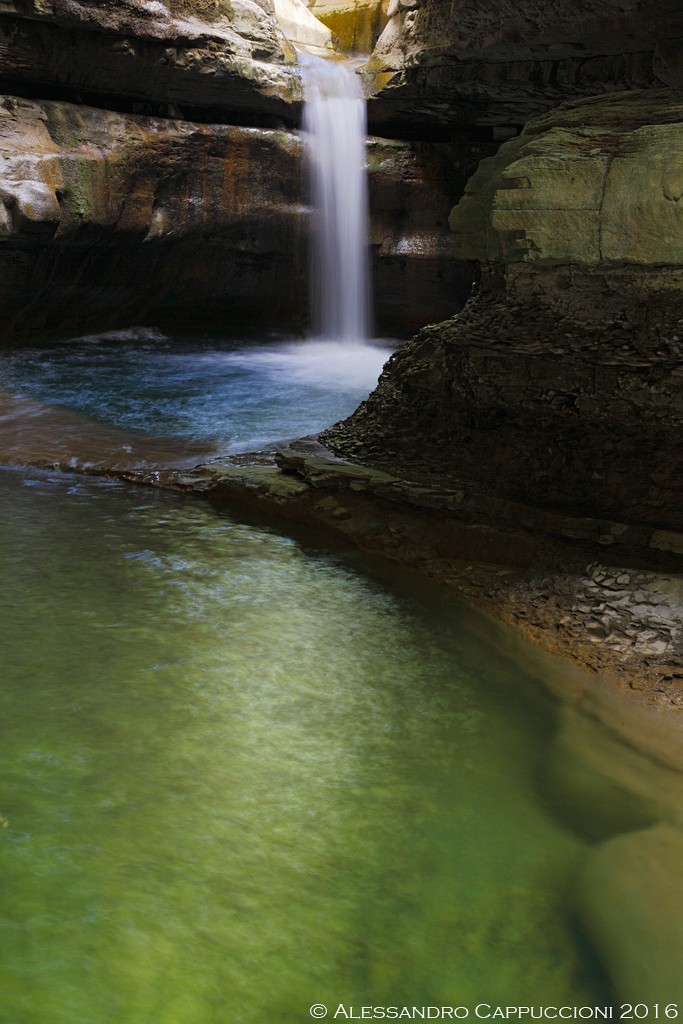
(108, 219)
(528, 569)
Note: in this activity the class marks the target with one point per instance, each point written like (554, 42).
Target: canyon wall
(150, 172)
(111, 219)
(439, 64)
(559, 384)
(223, 60)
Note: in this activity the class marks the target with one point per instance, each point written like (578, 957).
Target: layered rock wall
(108, 219)
(416, 279)
(439, 64)
(225, 61)
(561, 384)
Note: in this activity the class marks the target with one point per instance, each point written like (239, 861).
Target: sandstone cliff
(108, 219)
(440, 64)
(560, 384)
(228, 60)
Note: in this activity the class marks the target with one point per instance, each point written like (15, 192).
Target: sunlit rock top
(217, 55)
(302, 28)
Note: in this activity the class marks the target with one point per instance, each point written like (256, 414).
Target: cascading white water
(335, 120)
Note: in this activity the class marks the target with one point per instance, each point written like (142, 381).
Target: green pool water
(241, 777)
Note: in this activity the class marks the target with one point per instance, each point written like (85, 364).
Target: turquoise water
(226, 394)
(240, 777)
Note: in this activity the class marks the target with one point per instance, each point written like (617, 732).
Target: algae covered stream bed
(242, 777)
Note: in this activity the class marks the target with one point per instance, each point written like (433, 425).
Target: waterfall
(335, 120)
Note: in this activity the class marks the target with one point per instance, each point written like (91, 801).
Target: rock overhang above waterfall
(218, 59)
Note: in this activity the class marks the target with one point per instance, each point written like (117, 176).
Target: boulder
(631, 896)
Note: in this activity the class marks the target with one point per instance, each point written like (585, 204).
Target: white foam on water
(329, 365)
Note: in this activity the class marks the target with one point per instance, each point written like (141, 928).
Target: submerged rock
(602, 785)
(632, 897)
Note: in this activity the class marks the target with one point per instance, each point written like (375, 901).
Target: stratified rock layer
(213, 57)
(445, 62)
(595, 184)
(561, 385)
(109, 219)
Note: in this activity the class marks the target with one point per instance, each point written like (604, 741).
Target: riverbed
(247, 773)
(244, 777)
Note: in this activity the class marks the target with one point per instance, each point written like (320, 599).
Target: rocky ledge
(559, 385)
(108, 219)
(439, 65)
(223, 60)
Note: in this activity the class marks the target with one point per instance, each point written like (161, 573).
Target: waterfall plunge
(335, 120)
